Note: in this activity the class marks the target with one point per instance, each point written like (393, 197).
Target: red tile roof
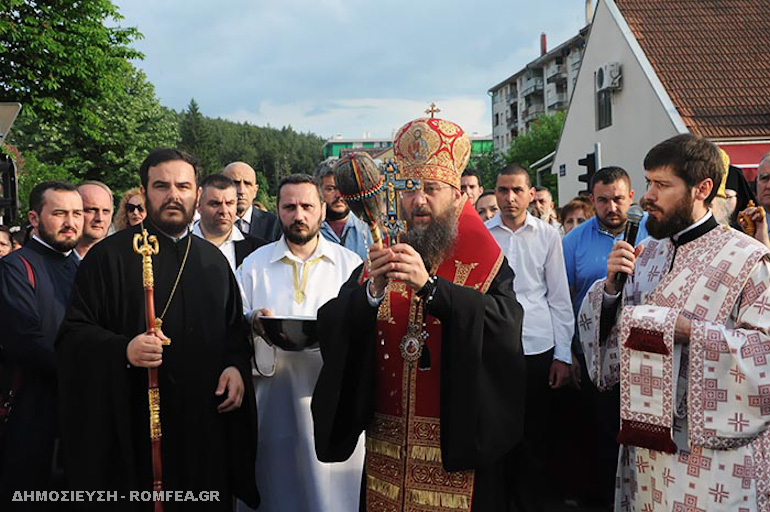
(713, 58)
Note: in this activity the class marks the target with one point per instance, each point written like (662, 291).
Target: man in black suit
(251, 221)
(217, 207)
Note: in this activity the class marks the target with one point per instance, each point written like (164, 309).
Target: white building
(652, 70)
(544, 86)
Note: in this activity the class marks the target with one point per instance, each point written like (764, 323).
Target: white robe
(289, 476)
(715, 391)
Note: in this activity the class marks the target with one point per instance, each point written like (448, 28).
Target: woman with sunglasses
(131, 210)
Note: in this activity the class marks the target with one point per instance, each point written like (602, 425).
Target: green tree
(487, 165)
(109, 144)
(58, 55)
(539, 140)
(197, 137)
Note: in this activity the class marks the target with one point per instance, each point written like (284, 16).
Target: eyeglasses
(130, 208)
(430, 189)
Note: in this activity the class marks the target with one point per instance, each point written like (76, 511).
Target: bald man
(251, 221)
(97, 214)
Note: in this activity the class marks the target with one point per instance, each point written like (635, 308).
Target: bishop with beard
(422, 348)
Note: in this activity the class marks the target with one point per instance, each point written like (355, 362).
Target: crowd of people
(473, 361)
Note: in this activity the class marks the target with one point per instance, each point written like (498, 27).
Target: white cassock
(694, 417)
(289, 476)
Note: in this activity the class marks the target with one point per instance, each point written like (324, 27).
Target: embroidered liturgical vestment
(693, 429)
(403, 442)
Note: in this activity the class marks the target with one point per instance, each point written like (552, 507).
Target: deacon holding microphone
(684, 342)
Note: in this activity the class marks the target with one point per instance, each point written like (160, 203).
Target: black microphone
(635, 215)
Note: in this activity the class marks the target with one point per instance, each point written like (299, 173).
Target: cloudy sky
(342, 66)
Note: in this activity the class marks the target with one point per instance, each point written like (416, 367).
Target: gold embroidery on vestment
(382, 487)
(440, 499)
(426, 453)
(462, 272)
(383, 448)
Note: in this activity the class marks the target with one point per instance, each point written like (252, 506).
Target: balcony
(556, 73)
(532, 112)
(512, 97)
(556, 100)
(511, 122)
(532, 86)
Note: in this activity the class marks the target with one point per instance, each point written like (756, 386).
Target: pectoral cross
(393, 224)
(432, 110)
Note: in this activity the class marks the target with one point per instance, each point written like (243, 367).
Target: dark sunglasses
(131, 207)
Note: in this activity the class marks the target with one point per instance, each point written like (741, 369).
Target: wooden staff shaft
(146, 246)
(153, 393)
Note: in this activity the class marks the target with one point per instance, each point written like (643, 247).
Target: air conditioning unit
(609, 77)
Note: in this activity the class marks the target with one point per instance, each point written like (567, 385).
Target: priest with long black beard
(208, 417)
(422, 348)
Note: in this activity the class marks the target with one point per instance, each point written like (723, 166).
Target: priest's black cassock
(438, 432)
(104, 399)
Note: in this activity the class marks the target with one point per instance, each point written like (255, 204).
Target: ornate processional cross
(393, 223)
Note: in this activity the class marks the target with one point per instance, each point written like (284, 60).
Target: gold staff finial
(432, 110)
(147, 246)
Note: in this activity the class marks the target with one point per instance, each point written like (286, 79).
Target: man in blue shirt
(341, 225)
(585, 255)
(586, 247)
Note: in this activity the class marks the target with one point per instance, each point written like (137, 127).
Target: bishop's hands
(146, 350)
(622, 258)
(400, 262)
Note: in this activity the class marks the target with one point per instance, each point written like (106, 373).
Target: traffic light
(591, 165)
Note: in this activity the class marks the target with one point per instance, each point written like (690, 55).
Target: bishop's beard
(435, 240)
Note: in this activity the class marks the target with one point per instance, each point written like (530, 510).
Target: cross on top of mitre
(432, 110)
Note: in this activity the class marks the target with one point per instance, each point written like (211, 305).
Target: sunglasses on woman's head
(132, 207)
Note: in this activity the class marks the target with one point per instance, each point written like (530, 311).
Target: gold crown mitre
(433, 149)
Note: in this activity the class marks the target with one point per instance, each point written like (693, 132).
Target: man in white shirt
(534, 252)
(217, 208)
(294, 277)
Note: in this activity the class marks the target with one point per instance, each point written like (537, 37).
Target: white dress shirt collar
(497, 221)
(227, 248)
(281, 250)
(235, 234)
(246, 218)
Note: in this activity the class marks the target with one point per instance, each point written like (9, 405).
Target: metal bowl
(291, 333)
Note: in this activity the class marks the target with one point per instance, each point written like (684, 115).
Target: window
(603, 109)
(497, 119)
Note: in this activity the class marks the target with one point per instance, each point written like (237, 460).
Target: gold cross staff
(432, 110)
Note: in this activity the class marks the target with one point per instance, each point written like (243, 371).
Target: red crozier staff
(147, 246)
